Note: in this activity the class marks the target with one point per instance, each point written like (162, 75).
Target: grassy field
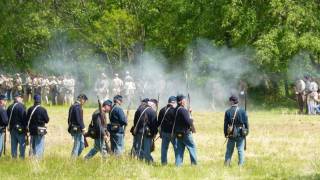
(281, 145)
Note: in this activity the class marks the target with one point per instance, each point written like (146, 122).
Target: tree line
(119, 30)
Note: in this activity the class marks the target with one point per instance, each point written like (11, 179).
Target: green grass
(281, 145)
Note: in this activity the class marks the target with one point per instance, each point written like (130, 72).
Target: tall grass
(280, 146)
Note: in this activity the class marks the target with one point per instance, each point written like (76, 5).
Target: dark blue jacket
(3, 117)
(39, 118)
(240, 119)
(117, 116)
(149, 118)
(98, 125)
(76, 115)
(183, 120)
(166, 118)
(19, 116)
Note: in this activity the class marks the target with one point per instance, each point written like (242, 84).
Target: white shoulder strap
(14, 105)
(164, 115)
(135, 129)
(175, 119)
(35, 108)
(234, 115)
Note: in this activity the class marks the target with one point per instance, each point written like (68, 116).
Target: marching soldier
(117, 125)
(97, 130)
(235, 129)
(141, 107)
(165, 124)
(145, 128)
(76, 125)
(182, 132)
(37, 118)
(17, 126)
(3, 122)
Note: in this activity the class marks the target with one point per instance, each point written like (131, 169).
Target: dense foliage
(276, 31)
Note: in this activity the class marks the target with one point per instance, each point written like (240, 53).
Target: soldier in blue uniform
(3, 121)
(145, 129)
(116, 126)
(235, 129)
(165, 124)
(182, 132)
(97, 130)
(37, 118)
(76, 125)
(17, 126)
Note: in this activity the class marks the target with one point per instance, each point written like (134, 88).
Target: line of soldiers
(174, 124)
(21, 124)
(58, 90)
(105, 88)
(307, 95)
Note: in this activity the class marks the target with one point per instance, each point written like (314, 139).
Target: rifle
(127, 116)
(103, 122)
(153, 139)
(193, 129)
(245, 138)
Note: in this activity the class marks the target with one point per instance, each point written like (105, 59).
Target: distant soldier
(300, 87)
(61, 91)
(8, 87)
(102, 87)
(307, 80)
(76, 125)
(99, 135)
(37, 117)
(69, 84)
(129, 87)
(17, 85)
(117, 84)
(54, 90)
(28, 88)
(236, 128)
(2, 84)
(117, 125)
(243, 87)
(36, 85)
(3, 121)
(165, 124)
(145, 129)
(45, 88)
(312, 98)
(182, 132)
(128, 77)
(17, 126)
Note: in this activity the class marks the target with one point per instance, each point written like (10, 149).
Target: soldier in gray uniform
(117, 84)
